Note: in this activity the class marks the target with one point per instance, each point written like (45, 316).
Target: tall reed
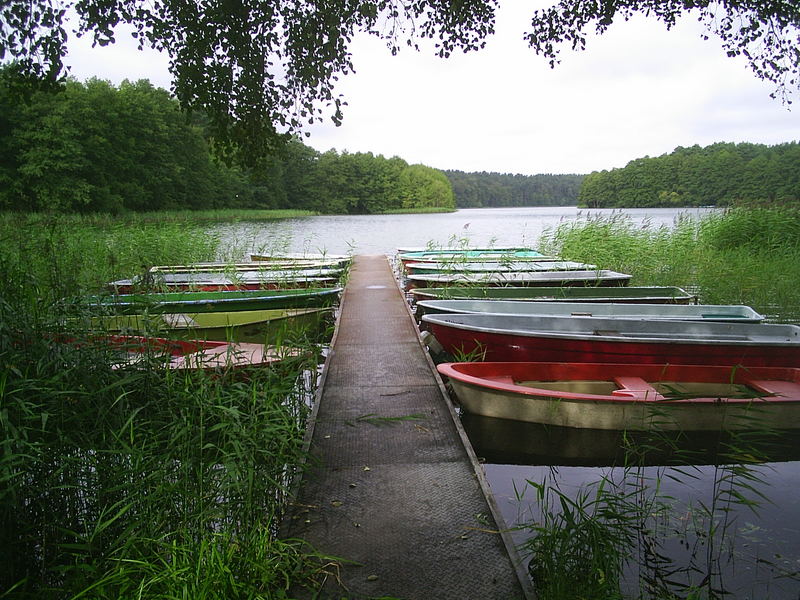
(138, 481)
(622, 535)
(741, 256)
(124, 481)
(61, 256)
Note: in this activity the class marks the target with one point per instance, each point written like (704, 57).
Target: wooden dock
(395, 492)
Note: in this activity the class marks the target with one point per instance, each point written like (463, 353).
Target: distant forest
(718, 175)
(485, 190)
(96, 147)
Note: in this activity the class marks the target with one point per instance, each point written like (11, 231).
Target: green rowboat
(216, 301)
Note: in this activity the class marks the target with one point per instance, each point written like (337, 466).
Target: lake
(754, 552)
(382, 234)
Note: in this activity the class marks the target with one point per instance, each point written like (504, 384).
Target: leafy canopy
(766, 32)
(263, 69)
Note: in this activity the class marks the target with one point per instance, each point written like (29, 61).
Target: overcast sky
(638, 90)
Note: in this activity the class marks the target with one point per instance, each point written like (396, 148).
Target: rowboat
(538, 278)
(630, 396)
(257, 326)
(219, 301)
(638, 295)
(683, 312)
(219, 281)
(212, 267)
(496, 267)
(635, 341)
(455, 255)
(192, 354)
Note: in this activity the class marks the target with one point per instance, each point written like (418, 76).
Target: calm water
(383, 234)
(755, 554)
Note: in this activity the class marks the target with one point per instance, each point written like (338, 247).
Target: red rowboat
(634, 341)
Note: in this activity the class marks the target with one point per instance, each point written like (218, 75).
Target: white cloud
(637, 90)
(117, 62)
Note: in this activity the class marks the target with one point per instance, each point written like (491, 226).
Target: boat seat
(634, 384)
(776, 387)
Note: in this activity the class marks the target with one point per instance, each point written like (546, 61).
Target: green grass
(116, 482)
(137, 482)
(743, 256)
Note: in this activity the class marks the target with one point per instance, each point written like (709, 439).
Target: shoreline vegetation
(151, 484)
(136, 481)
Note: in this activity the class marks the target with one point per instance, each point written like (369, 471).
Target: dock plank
(394, 491)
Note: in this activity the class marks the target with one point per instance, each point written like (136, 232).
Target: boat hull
(302, 258)
(768, 397)
(421, 268)
(219, 283)
(587, 339)
(260, 326)
(691, 312)
(218, 267)
(623, 294)
(217, 301)
(197, 354)
(541, 278)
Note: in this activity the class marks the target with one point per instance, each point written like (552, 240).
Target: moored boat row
(606, 357)
(203, 312)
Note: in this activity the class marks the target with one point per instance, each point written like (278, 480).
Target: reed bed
(621, 534)
(138, 481)
(741, 256)
(63, 256)
(142, 481)
(632, 532)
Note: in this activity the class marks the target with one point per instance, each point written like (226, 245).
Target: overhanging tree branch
(261, 70)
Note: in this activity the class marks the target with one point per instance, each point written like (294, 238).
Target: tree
(262, 69)
(97, 148)
(719, 174)
(765, 32)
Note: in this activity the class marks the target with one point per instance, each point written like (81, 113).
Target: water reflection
(504, 441)
(713, 511)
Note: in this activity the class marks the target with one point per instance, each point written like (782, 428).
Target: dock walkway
(394, 492)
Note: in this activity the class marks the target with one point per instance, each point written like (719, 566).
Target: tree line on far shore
(721, 174)
(103, 148)
(97, 147)
(489, 190)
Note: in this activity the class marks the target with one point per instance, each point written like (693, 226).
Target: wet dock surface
(394, 492)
